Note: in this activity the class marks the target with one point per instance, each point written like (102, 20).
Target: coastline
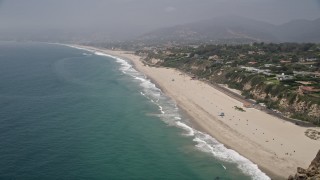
(277, 146)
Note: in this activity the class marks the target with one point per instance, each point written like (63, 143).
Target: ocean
(68, 113)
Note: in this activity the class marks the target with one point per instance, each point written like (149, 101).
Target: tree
(294, 59)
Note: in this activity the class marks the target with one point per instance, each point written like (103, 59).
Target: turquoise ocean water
(67, 113)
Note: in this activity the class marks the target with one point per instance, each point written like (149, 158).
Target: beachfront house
(307, 89)
(283, 77)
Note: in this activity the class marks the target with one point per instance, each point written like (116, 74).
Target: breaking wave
(170, 114)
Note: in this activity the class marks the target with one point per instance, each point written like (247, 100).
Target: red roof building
(308, 89)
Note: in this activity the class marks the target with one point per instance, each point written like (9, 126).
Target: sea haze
(67, 113)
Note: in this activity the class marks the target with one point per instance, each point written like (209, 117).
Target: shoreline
(234, 134)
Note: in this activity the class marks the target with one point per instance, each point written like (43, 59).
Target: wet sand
(277, 146)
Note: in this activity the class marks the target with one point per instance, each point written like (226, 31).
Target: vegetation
(239, 109)
(271, 73)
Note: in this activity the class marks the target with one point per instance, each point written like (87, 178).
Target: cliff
(289, 101)
(256, 70)
(312, 173)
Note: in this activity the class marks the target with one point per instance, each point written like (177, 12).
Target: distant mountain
(299, 31)
(238, 29)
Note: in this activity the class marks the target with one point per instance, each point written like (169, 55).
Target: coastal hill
(281, 77)
(233, 29)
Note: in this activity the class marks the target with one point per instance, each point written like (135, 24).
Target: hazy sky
(144, 15)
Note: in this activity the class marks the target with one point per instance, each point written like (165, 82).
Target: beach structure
(247, 105)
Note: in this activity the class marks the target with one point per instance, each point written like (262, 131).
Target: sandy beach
(277, 146)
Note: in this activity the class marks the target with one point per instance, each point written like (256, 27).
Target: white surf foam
(190, 131)
(171, 115)
(160, 107)
(208, 144)
(75, 47)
